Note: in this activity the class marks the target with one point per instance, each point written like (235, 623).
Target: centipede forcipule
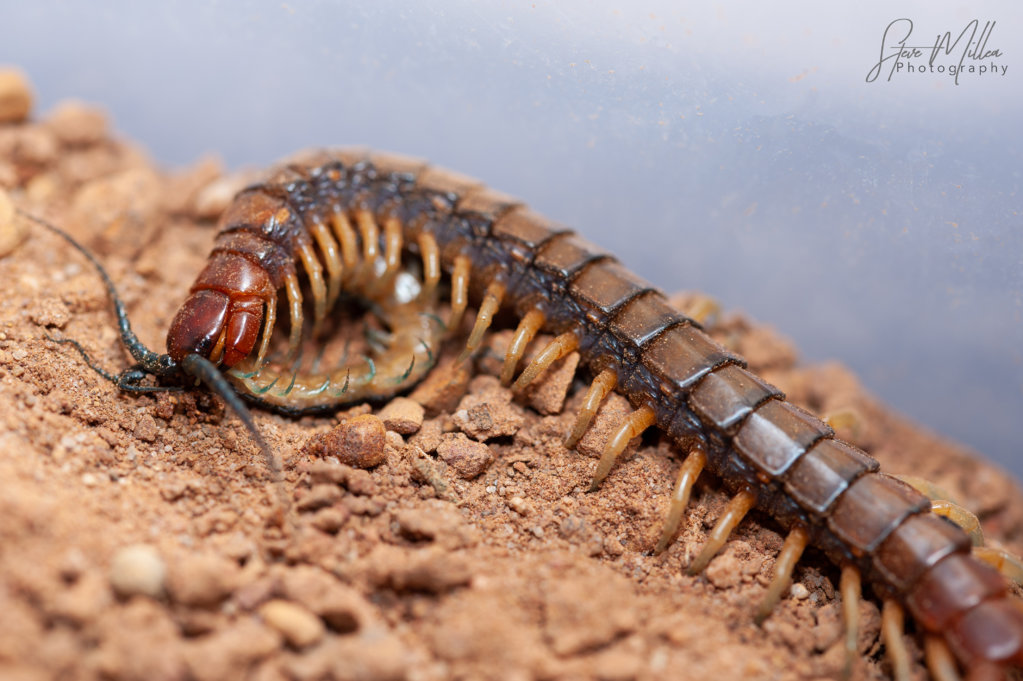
(346, 218)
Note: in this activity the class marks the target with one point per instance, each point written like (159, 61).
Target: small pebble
(138, 570)
(146, 429)
(299, 627)
(320, 496)
(443, 387)
(520, 506)
(361, 483)
(799, 592)
(357, 442)
(201, 580)
(15, 96)
(468, 458)
(725, 571)
(330, 520)
(403, 415)
(77, 124)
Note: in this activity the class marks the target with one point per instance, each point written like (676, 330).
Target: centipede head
(216, 327)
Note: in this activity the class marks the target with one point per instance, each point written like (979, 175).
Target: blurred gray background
(733, 148)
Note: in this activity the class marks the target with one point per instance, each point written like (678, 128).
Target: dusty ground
(140, 538)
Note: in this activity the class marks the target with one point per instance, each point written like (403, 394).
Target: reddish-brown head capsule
(221, 319)
(213, 326)
(198, 325)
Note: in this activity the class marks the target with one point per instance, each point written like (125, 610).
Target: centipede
(403, 236)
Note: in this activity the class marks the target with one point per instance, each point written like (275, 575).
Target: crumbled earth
(446, 537)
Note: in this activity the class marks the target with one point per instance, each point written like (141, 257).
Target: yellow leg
(269, 320)
(331, 258)
(369, 232)
(526, 331)
(938, 657)
(429, 251)
(295, 308)
(459, 290)
(961, 517)
(847, 419)
(849, 586)
(393, 242)
(601, 386)
(892, 627)
(349, 242)
(484, 317)
(791, 551)
(687, 475)
(1003, 561)
(561, 346)
(736, 510)
(702, 309)
(314, 271)
(633, 426)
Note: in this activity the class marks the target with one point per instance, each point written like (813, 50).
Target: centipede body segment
(345, 220)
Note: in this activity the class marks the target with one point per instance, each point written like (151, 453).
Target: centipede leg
(429, 251)
(687, 475)
(601, 386)
(851, 590)
(526, 331)
(846, 418)
(459, 290)
(633, 426)
(966, 520)
(269, 322)
(791, 551)
(294, 291)
(393, 241)
(488, 308)
(348, 240)
(1001, 560)
(892, 626)
(561, 346)
(735, 511)
(314, 271)
(702, 309)
(369, 232)
(331, 258)
(940, 662)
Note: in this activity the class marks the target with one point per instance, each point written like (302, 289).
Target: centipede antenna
(85, 356)
(152, 362)
(204, 370)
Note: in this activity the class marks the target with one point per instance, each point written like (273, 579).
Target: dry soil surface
(141, 537)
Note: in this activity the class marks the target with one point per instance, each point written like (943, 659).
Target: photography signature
(970, 44)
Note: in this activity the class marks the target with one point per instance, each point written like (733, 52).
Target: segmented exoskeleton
(345, 218)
